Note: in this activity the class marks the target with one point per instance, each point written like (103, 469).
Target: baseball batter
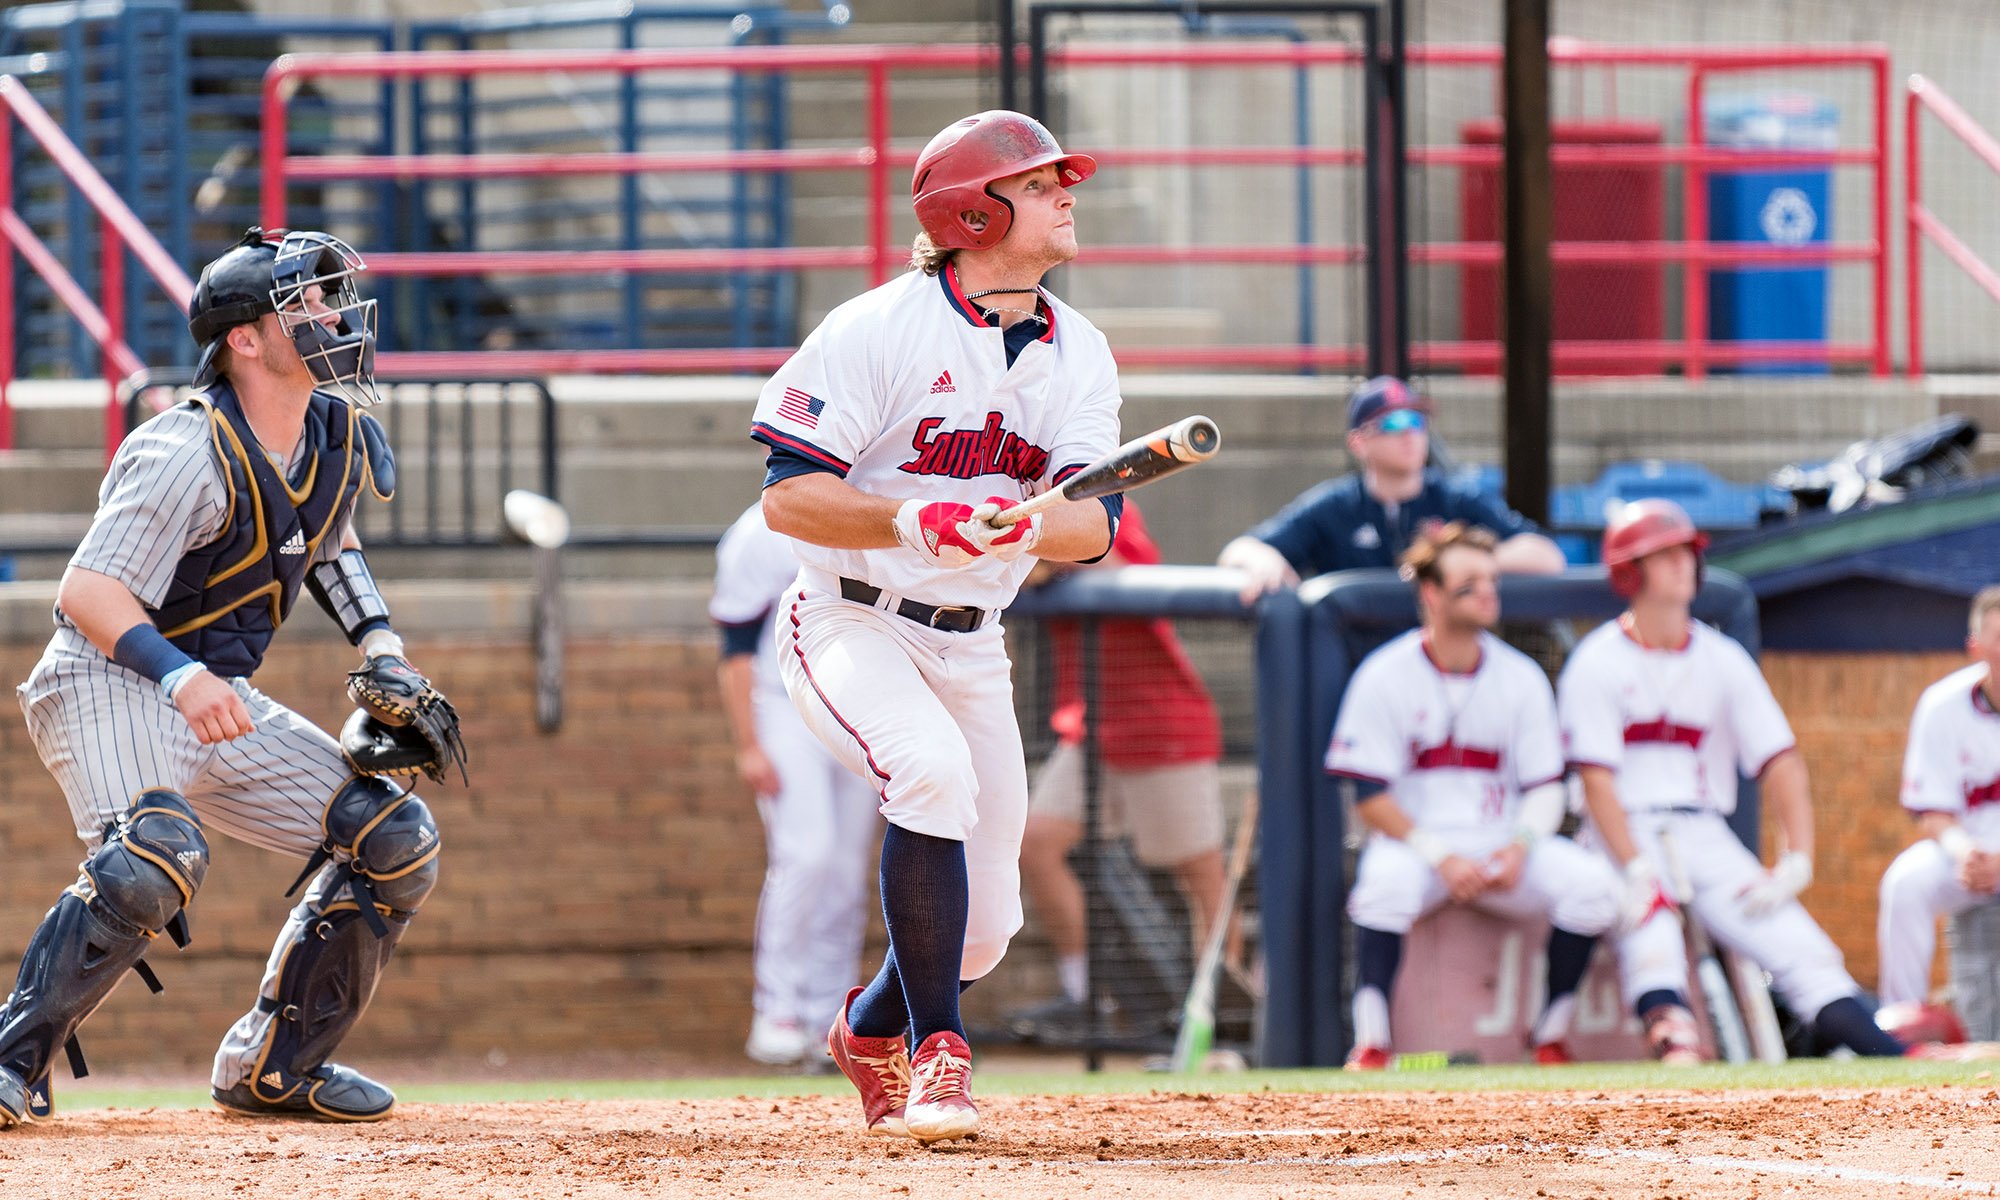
(906, 420)
(819, 817)
(1661, 714)
(1951, 785)
(1450, 738)
(212, 518)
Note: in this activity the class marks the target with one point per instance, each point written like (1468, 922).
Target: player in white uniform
(1661, 713)
(212, 519)
(1449, 735)
(1951, 785)
(819, 817)
(912, 414)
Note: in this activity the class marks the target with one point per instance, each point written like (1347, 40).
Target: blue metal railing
(166, 103)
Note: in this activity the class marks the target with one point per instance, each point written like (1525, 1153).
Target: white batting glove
(936, 530)
(1004, 542)
(1644, 894)
(1781, 884)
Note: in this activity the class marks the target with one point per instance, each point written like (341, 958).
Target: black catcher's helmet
(308, 279)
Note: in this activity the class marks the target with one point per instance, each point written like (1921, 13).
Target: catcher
(212, 518)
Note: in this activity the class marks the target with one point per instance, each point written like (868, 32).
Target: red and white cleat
(879, 1068)
(1368, 1058)
(1672, 1036)
(941, 1105)
(1552, 1054)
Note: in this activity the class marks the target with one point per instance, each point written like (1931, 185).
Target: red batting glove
(933, 529)
(1004, 542)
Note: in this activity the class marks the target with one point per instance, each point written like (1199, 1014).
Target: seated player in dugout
(1951, 786)
(1160, 744)
(1450, 739)
(1660, 715)
(1369, 517)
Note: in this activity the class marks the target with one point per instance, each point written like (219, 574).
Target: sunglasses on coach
(1402, 420)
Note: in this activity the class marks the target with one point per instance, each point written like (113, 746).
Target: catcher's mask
(307, 279)
(1647, 527)
(956, 170)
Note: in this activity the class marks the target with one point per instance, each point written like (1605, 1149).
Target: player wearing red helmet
(907, 419)
(1660, 715)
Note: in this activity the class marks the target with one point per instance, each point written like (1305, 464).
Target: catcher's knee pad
(389, 838)
(132, 888)
(386, 846)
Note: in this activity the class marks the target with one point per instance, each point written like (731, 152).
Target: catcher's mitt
(401, 701)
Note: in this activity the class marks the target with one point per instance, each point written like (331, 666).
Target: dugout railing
(1920, 223)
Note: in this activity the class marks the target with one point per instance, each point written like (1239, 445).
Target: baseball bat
(1767, 1040)
(1140, 461)
(1731, 1039)
(1196, 1036)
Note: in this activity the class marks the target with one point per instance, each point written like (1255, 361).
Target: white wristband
(377, 642)
(173, 681)
(1427, 845)
(1957, 843)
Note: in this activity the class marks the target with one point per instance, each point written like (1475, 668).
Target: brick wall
(598, 884)
(1851, 713)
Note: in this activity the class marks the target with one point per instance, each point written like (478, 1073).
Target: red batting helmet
(954, 171)
(1645, 527)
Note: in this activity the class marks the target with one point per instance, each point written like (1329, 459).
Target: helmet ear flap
(944, 209)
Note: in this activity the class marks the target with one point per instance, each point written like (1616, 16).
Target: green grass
(1805, 1074)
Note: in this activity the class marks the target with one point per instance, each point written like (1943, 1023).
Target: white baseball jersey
(1952, 764)
(1456, 751)
(904, 391)
(1677, 726)
(753, 566)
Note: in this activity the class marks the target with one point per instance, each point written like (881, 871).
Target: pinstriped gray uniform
(107, 733)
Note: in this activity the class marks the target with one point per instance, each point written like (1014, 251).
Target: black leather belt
(954, 618)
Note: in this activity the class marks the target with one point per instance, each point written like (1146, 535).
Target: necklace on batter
(1006, 291)
(1466, 683)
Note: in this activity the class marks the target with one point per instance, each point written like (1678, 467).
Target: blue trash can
(1784, 207)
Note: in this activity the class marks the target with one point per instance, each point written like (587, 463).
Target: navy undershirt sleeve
(1114, 511)
(781, 463)
(741, 639)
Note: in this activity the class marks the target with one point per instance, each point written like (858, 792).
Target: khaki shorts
(1171, 814)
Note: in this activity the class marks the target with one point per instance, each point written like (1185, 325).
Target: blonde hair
(926, 256)
(1987, 601)
(1420, 561)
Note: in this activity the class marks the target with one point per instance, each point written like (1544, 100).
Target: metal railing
(878, 159)
(1923, 95)
(119, 230)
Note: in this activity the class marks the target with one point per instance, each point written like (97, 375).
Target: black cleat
(330, 1093)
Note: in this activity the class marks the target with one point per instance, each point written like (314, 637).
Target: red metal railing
(119, 229)
(1919, 221)
(1693, 351)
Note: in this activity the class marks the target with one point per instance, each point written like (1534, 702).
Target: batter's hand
(212, 708)
(756, 769)
(935, 529)
(1463, 878)
(1004, 542)
(1503, 866)
(1779, 886)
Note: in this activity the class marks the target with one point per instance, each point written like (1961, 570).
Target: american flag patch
(800, 408)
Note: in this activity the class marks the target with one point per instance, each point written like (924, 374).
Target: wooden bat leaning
(1197, 1032)
(1141, 461)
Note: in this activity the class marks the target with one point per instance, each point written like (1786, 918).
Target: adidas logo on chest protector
(295, 544)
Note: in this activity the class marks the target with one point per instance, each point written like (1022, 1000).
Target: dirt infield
(1711, 1145)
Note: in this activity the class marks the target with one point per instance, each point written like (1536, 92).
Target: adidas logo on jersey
(943, 384)
(295, 544)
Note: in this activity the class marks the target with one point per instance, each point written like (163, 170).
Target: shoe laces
(892, 1071)
(942, 1074)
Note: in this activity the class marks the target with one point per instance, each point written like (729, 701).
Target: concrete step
(50, 481)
